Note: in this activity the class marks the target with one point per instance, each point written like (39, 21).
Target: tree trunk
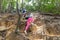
(19, 17)
(0, 5)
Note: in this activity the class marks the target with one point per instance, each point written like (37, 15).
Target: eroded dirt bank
(45, 27)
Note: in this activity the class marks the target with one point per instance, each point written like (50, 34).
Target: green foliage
(50, 6)
(27, 0)
(4, 4)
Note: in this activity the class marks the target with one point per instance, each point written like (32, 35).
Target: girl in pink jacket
(28, 23)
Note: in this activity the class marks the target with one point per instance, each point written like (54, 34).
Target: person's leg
(27, 26)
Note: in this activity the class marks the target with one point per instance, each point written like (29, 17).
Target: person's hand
(32, 23)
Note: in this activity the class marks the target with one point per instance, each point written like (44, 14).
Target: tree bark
(0, 5)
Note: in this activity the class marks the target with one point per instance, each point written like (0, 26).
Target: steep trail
(9, 20)
(44, 27)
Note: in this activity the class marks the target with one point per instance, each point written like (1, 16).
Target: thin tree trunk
(19, 15)
(0, 5)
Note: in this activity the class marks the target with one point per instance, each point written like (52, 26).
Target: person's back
(28, 15)
(30, 19)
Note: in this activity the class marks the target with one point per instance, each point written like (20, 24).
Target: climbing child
(28, 22)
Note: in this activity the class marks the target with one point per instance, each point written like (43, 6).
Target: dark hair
(24, 10)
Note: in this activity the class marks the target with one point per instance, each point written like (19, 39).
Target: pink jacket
(29, 21)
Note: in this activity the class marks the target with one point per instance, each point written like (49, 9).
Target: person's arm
(33, 21)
